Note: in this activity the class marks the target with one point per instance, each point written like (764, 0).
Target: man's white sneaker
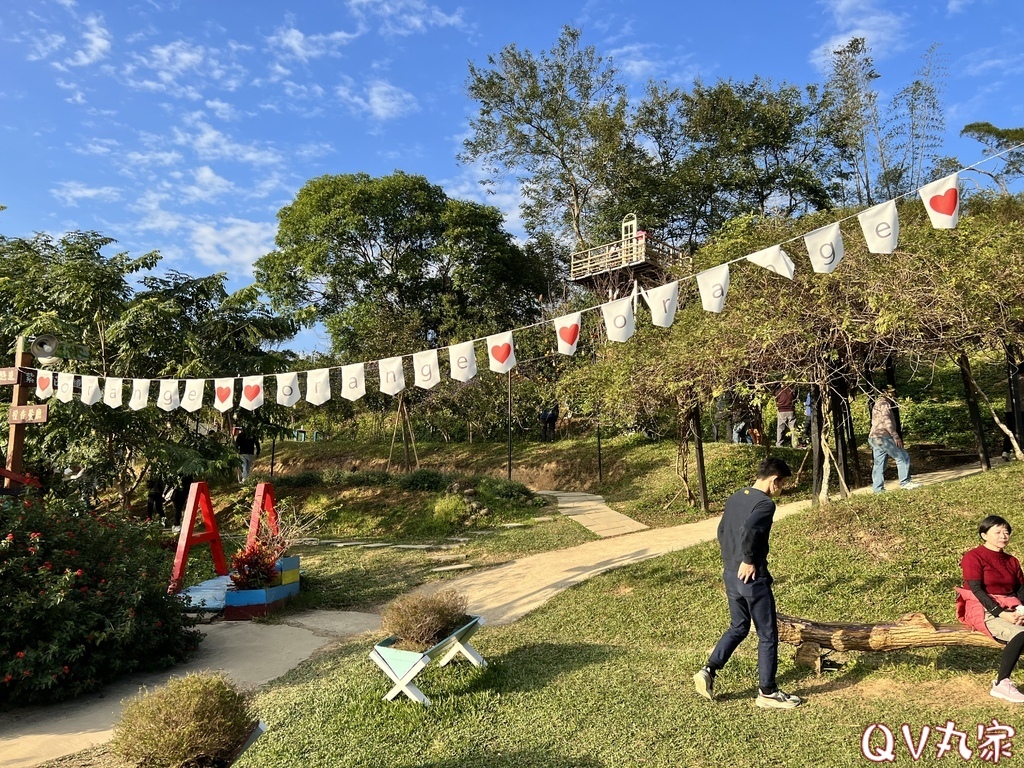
(778, 700)
(704, 682)
(910, 486)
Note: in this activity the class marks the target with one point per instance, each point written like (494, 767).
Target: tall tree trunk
(698, 451)
(817, 454)
(1013, 381)
(972, 407)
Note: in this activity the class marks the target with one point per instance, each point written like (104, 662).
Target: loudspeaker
(44, 349)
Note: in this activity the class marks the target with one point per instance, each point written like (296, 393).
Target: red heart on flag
(502, 352)
(569, 333)
(252, 391)
(946, 203)
(44, 383)
(223, 393)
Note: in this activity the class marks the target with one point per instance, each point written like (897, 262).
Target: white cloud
(221, 109)
(96, 147)
(155, 157)
(154, 217)
(96, 44)
(296, 91)
(210, 144)
(290, 43)
(174, 58)
(70, 192)
(406, 17)
(175, 63)
(69, 4)
(208, 186)
(883, 29)
(955, 6)
(989, 61)
(43, 46)
(76, 98)
(380, 99)
(314, 150)
(637, 60)
(233, 244)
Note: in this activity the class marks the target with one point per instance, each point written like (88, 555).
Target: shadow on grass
(541, 758)
(532, 667)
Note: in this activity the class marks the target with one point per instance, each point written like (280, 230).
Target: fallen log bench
(913, 630)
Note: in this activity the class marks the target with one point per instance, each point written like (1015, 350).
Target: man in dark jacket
(743, 538)
(248, 449)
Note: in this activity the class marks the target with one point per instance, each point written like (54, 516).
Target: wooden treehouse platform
(635, 252)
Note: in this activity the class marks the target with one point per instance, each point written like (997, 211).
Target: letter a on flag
(942, 201)
(353, 381)
(713, 285)
(501, 352)
(112, 392)
(567, 330)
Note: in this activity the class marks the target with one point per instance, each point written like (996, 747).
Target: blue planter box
(250, 603)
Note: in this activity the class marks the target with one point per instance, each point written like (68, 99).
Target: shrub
(449, 510)
(421, 621)
(422, 480)
(306, 479)
(196, 720)
(255, 565)
(367, 478)
(503, 489)
(83, 600)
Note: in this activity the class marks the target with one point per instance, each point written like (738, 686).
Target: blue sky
(184, 126)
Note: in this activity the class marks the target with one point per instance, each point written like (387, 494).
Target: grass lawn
(601, 675)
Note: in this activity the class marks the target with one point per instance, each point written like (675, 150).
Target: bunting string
(879, 225)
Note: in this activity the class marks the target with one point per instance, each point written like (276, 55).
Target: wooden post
(975, 412)
(16, 435)
(698, 447)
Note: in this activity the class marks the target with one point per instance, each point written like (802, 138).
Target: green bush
(420, 620)
(368, 478)
(502, 489)
(83, 600)
(196, 720)
(307, 479)
(449, 510)
(423, 480)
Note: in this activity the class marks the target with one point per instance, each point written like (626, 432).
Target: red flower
(159, 623)
(28, 673)
(85, 590)
(79, 572)
(48, 565)
(66, 670)
(31, 550)
(35, 535)
(8, 677)
(10, 537)
(28, 503)
(20, 654)
(70, 535)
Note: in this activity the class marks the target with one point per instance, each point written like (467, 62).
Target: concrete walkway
(590, 511)
(253, 654)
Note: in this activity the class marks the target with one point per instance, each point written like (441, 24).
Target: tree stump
(913, 630)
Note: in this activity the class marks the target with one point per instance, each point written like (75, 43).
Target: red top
(998, 572)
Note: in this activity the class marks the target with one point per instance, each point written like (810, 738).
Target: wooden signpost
(19, 401)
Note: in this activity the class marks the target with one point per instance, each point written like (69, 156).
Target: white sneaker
(910, 486)
(1006, 690)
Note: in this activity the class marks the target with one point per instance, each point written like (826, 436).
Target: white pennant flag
(170, 396)
(942, 201)
(619, 322)
(112, 392)
(140, 394)
(192, 401)
(353, 381)
(392, 375)
(567, 328)
(663, 301)
(825, 248)
(462, 359)
(287, 389)
(318, 386)
(501, 352)
(223, 394)
(44, 385)
(881, 227)
(428, 372)
(252, 393)
(713, 285)
(65, 387)
(91, 390)
(775, 259)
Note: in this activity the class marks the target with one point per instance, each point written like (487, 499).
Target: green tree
(998, 141)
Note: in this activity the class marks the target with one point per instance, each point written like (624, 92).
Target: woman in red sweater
(991, 599)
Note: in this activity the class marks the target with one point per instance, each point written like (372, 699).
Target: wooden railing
(623, 253)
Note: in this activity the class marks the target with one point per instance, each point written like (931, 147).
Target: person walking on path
(785, 397)
(743, 537)
(885, 441)
(248, 449)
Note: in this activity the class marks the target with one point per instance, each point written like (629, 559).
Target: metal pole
(510, 425)
(273, 455)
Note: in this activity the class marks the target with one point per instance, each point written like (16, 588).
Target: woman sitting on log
(991, 599)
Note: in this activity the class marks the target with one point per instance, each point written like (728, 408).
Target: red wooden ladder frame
(198, 500)
(264, 501)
